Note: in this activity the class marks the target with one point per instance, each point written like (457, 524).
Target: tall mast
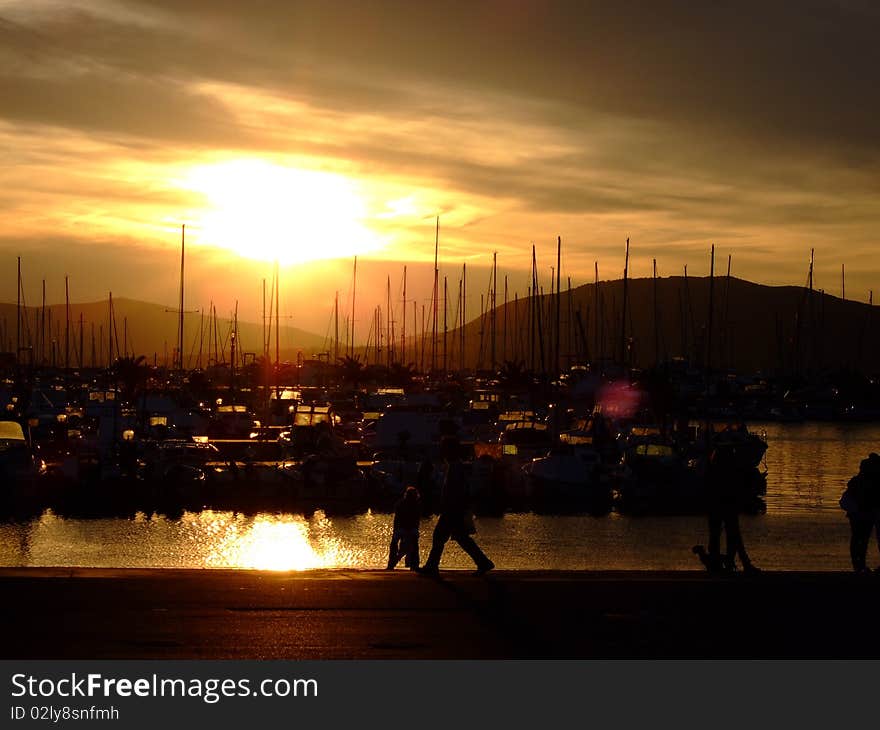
(233, 351)
(277, 329)
(353, 293)
(569, 324)
(180, 304)
(336, 328)
(110, 330)
(810, 274)
(66, 323)
(403, 331)
(493, 320)
(424, 329)
(212, 332)
(623, 318)
(43, 326)
(82, 357)
(711, 309)
(533, 298)
(516, 336)
(435, 297)
(265, 343)
(389, 344)
(727, 340)
(504, 325)
(18, 313)
(445, 328)
(596, 309)
(460, 331)
(558, 301)
(463, 312)
(656, 324)
(202, 333)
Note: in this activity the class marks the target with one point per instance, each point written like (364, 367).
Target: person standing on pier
(455, 519)
(405, 535)
(861, 501)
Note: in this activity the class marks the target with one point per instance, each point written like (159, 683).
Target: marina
(803, 528)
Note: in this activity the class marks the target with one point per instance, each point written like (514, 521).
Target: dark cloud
(701, 118)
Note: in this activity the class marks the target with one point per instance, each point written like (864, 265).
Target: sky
(311, 132)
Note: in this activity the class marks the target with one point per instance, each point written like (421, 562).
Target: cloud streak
(749, 125)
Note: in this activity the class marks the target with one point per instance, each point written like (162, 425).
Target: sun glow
(269, 212)
(272, 543)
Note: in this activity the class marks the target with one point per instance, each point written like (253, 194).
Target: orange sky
(312, 131)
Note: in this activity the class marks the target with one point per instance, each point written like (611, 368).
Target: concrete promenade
(79, 613)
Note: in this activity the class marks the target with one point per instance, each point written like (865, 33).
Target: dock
(87, 613)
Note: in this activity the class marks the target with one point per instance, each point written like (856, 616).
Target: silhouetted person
(405, 534)
(725, 487)
(454, 520)
(861, 500)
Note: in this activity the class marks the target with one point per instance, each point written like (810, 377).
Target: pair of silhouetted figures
(455, 521)
(725, 497)
(861, 502)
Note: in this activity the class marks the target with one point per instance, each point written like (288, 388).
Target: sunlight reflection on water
(804, 528)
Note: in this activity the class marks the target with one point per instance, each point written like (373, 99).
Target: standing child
(405, 535)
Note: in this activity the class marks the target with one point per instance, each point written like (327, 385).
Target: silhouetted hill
(781, 329)
(143, 328)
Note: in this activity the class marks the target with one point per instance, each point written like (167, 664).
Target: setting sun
(265, 211)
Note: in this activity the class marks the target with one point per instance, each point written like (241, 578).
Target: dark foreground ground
(225, 614)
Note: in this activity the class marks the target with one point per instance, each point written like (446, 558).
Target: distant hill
(144, 329)
(781, 329)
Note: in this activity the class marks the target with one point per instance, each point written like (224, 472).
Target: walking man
(455, 521)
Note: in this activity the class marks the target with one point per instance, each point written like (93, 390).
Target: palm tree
(351, 370)
(131, 374)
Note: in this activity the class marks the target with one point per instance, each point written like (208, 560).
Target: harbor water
(803, 528)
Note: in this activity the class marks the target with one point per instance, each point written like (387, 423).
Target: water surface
(803, 528)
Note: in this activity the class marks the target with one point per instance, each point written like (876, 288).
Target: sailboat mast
(18, 313)
(493, 320)
(445, 328)
(66, 323)
(336, 328)
(265, 344)
(558, 301)
(656, 324)
(277, 329)
(389, 344)
(623, 318)
(463, 312)
(202, 334)
(353, 293)
(434, 303)
(403, 331)
(711, 309)
(180, 304)
(504, 325)
(596, 309)
(43, 326)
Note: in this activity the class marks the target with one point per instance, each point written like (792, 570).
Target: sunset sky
(313, 131)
